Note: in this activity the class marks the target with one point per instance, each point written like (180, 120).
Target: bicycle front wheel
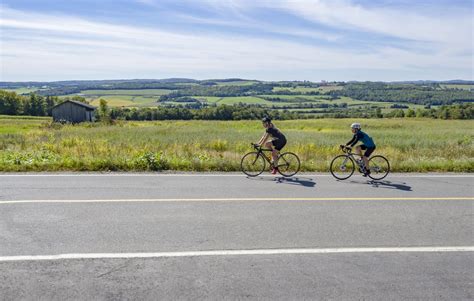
(379, 167)
(288, 164)
(252, 164)
(342, 167)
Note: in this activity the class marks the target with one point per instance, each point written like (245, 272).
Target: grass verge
(411, 145)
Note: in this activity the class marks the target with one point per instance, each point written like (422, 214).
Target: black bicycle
(254, 163)
(343, 166)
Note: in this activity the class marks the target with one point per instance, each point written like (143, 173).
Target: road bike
(254, 163)
(343, 166)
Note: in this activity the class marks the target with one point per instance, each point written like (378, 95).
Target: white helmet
(355, 125)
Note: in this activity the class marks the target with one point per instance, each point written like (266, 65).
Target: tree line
(252, 112)
(459, 111)
(222, 112)
(408, 93)
(32, 104)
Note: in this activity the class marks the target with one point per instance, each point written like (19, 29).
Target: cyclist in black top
(277, 142)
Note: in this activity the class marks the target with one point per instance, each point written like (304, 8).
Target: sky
(332, 40)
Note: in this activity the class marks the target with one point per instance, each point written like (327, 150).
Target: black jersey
(275, 133)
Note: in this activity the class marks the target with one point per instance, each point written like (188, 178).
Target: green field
(309, 98)
(325, 89)
(123, 98)
(13, 117)
(453, 86)
(237, 83)
(114, 101)
(12, 125)
(242, 99)
(209, 99)
(37, 145)
(126, 101)
(23, 90)
(138, 92)
(234, 100)
(296, 89)
(302, 89)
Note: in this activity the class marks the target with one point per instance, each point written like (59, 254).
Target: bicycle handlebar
(260, 148)
(345, 148)
(255, 145)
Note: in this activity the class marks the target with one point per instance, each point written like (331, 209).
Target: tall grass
(413, 145)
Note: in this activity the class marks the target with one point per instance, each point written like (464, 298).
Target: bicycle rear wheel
(288, 164)
(379, 167)
(342, 167)
(252, 164)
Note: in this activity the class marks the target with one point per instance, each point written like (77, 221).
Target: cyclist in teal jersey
(367, 145)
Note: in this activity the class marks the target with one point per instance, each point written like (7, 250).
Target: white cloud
(263, 27)
(147, 2)
(44, 47)
(437, 25)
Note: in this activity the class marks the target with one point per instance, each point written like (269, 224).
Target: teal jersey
(363, 137)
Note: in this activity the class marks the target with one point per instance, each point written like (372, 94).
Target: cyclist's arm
(353, 141)
(263, 139)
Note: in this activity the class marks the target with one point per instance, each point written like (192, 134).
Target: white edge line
(236, 253)
(155, 175)
(221, 175)
(269, 199)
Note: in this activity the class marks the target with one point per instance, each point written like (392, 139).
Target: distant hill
(107, 82)
(424, 82)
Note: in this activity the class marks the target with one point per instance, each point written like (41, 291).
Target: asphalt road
(225, 236)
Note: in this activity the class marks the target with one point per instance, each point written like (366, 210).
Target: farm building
(73, 111)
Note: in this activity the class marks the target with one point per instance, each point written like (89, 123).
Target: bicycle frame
(352, 155)
(261, 152)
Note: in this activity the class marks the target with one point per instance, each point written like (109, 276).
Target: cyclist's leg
(363, 156)
(278, 145)
(358, 150)
(275, 154)
(367, 154)
(269, 145)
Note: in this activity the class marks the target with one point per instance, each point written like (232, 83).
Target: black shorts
(278, 144)
(368, 150)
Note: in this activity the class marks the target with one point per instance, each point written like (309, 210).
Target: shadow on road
(306, 182)
(385, 184)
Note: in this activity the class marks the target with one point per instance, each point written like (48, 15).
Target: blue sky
(258, 39)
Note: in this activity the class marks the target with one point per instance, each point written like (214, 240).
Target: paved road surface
(215, 236)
